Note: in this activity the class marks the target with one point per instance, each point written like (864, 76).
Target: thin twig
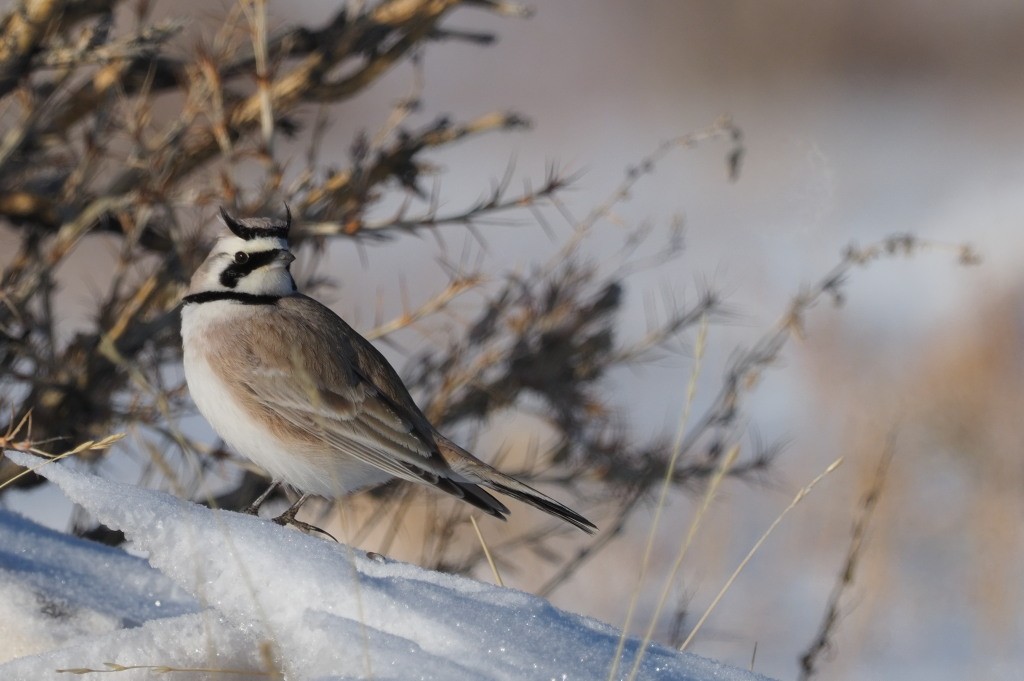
(823, 638)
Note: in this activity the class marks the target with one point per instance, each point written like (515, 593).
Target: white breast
(315, 468)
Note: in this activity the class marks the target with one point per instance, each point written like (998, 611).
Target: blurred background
(860, 120)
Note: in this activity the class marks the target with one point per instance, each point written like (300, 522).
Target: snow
(235, 594)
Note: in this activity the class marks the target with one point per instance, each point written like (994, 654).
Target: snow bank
(234, 592)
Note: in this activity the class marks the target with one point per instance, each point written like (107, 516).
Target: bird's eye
(241, 258)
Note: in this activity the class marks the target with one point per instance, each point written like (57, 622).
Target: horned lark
(291, 386)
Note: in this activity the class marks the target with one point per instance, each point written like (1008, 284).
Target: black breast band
(236, 296)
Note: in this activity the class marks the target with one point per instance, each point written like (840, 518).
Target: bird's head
(252, 258)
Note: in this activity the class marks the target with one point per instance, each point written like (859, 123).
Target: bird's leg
(288, 518)
(254, 507)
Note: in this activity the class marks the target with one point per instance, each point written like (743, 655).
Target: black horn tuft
(236, 227)
(287, 217)
(256, 228)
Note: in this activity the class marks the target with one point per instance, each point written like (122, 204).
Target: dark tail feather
(482, 500)
(470, 468)
(530, 496)
(469, 493)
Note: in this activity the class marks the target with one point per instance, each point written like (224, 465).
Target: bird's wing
(315, 376)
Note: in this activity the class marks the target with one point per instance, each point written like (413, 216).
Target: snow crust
(225, 592)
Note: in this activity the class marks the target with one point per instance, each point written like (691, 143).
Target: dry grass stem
(114, 668)
(487, 552)
(691, 392)
(89, 446)
(726, 464)
(757, 545)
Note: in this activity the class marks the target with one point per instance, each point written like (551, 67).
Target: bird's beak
(285, 257)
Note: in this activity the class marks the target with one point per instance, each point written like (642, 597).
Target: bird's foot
(288, 518)
(285, 519)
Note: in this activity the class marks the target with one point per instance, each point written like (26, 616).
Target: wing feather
(329, 383)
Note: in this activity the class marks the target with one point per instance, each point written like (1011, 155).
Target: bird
(288, 384)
